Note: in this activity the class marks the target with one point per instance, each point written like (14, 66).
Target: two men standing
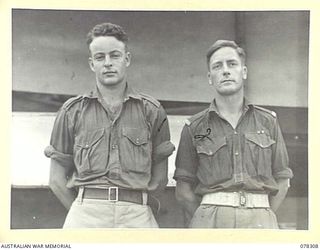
(109, 148)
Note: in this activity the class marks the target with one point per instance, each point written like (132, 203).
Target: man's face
(109, 60)
(226, 71)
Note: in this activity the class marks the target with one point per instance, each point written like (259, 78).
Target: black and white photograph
(157, 119)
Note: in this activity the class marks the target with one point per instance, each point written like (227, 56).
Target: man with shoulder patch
(109, 148)
(232, 163)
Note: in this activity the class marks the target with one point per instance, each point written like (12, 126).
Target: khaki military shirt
(102, 149)
(216, 157)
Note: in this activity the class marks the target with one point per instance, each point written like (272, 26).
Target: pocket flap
(136, 135)
(261, 140)
(209, 147)
(89, 138)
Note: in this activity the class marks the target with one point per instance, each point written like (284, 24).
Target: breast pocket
(91, 152)
(258, 154)
(135, 150)
(214, 160)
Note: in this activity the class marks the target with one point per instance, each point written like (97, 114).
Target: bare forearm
(186, 198)
(190, 207)
(159, 177)
(57, 183)
(64, 194)
(275, 201)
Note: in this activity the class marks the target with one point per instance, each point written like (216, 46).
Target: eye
(115, 55)
(99, 57)
(233, 64)
(216, 66)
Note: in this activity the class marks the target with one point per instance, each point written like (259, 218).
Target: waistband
(237, 199)
(113, 194)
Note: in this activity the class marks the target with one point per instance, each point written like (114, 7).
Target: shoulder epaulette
(266, 110)
(195, 117)
(151, 99)
(68, 104)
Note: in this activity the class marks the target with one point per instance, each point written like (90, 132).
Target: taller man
(109, 148)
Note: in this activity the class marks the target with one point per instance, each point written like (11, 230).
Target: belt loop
(80, 195)
(144, 198)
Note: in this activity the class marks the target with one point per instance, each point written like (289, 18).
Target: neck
(230, 105)
(112, 94)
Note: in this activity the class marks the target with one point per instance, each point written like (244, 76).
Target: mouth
(109, 73)
(227, 81)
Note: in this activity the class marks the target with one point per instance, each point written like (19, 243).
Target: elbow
(284, 185)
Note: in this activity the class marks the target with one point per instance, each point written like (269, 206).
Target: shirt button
(86, 146)
(258, 132)
(235, 132)
(137, 140)
(236, 153)
(262, 131)
(114, 146)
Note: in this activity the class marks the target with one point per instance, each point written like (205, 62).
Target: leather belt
(237, 199)
(113, 194)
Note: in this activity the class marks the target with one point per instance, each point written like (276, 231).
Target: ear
(91, 64)
(209, 78)
(128, 58)
(244, 72)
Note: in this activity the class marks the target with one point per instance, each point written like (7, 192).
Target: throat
(232, 118)
(114, 110)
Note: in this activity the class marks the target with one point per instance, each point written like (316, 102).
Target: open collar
(129, 92)
(246, 105)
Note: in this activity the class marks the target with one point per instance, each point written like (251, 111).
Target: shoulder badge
(187, 122)
(266, 110)
(68, 104)
(151, 99)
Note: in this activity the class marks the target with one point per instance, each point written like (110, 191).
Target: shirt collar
(129, 92)
(213, 105)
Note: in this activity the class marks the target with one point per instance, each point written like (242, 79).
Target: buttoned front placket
(114, 165)
(236, 153)
(237, 157)
(239, 169)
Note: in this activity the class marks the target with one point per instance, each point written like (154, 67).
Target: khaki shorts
(212, 216)
(91, 213)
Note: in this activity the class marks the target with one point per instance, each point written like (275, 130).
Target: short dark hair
(107, 29)
(226, 43)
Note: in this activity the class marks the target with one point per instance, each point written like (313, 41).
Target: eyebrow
(110, 52)
(220, 61)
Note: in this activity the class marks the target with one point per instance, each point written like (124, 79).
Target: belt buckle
(116, 192)
(242, 199)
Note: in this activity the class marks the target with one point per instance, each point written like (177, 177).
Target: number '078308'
(309, 246)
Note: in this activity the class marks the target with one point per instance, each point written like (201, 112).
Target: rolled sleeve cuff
(182, 174)
(284, 174)
(66, 160)
(163, 151)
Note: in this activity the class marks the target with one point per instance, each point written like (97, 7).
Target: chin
(228, 92)
(110, 83)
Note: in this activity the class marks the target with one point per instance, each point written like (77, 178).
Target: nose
(225, 69)
(107, 61)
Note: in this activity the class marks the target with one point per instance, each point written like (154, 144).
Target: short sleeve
(61, 142)
(187, 159)
(162, 147)
(280, 159)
